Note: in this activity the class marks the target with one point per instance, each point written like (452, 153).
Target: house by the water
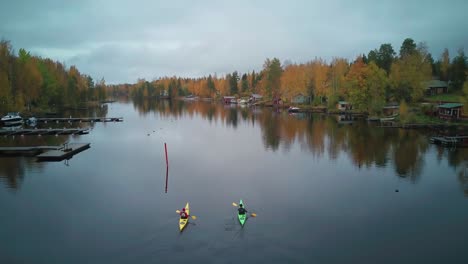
(450, 111)
(434, 87)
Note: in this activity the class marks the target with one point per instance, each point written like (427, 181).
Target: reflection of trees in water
(457, 158)
(408, 154)
(12, 170)
(270, 130)
(232, 117)
(366, 145)
(463, 178)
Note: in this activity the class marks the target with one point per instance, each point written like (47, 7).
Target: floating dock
(66, 152)
(78, 119)
(43, 132)
(26, 151)
(459, 141)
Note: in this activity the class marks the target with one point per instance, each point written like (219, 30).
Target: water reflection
(13, 169)
(365, 144)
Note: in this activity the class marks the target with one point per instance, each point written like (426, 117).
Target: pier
(26, 151)
(43, 132)
(78, 119)
(46, 153)
(67, 151)
(458, 141)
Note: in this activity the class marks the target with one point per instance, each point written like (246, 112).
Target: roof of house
(343, 102)
(436, 83)
(256, 96)
(229, 97)
(450, 105)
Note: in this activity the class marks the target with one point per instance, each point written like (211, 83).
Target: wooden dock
(78, 119)
(457, 141)
(66, 152)
(43, 132)
(26, 151)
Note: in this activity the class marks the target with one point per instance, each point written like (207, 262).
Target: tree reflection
(366, 145)
(12, 169)
(11, 172)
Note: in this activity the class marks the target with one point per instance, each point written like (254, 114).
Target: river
(324, 190)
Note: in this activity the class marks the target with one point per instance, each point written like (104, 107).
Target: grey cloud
(123, 41)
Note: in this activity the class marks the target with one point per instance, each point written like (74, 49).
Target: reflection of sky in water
(315, 186)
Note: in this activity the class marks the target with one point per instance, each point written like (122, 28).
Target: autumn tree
(383, 57)
(408, 47)
(6, 96)
(336, 78)
(273, 71)
(210, 85)
(376, 85)
(357, 92)
(444, 65)
(409, 74)
(465, 97)
(458, 70)
(28, 81)
(244, 83)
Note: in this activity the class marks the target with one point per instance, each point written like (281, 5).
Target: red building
(451, 111)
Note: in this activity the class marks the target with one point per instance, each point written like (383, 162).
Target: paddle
(251, 214)
(193, 217)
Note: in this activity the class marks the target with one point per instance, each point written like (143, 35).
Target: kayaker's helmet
(240, 205)
(183, 209)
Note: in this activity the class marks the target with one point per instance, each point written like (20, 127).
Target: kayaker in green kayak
(241, 209)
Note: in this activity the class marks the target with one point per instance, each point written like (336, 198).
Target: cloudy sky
(126, 40)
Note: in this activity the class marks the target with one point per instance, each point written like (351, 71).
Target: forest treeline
(30, 82)
(368, 82)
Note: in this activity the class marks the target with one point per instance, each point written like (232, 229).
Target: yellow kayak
(183, 222)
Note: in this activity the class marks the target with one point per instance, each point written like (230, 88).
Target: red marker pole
(167, 177)
(165, 148)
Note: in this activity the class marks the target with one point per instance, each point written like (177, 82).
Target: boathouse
(300, 99)
(451, 111)
(391, 109)
(434, 87)
(344, 106)
(229, 99)
(255, 98)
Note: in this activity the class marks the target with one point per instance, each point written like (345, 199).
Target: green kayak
(241, 217)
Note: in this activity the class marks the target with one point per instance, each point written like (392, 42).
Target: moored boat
(293, 109)
(183, 221)
(241, 217)
(12, 119)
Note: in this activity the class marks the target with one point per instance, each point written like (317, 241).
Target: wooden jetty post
(167, 177)
(165, 148)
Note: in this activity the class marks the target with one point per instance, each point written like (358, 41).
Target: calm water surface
(324, 191)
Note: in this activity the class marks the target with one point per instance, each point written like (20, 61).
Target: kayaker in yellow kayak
(183, 214)
(241, 210)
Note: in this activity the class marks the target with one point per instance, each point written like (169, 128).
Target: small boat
(183, 222)
(241, 217)
(293, 109)
(242, 101)
(373, 119)
(32, 121)
(11, 119)
(388, 118)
